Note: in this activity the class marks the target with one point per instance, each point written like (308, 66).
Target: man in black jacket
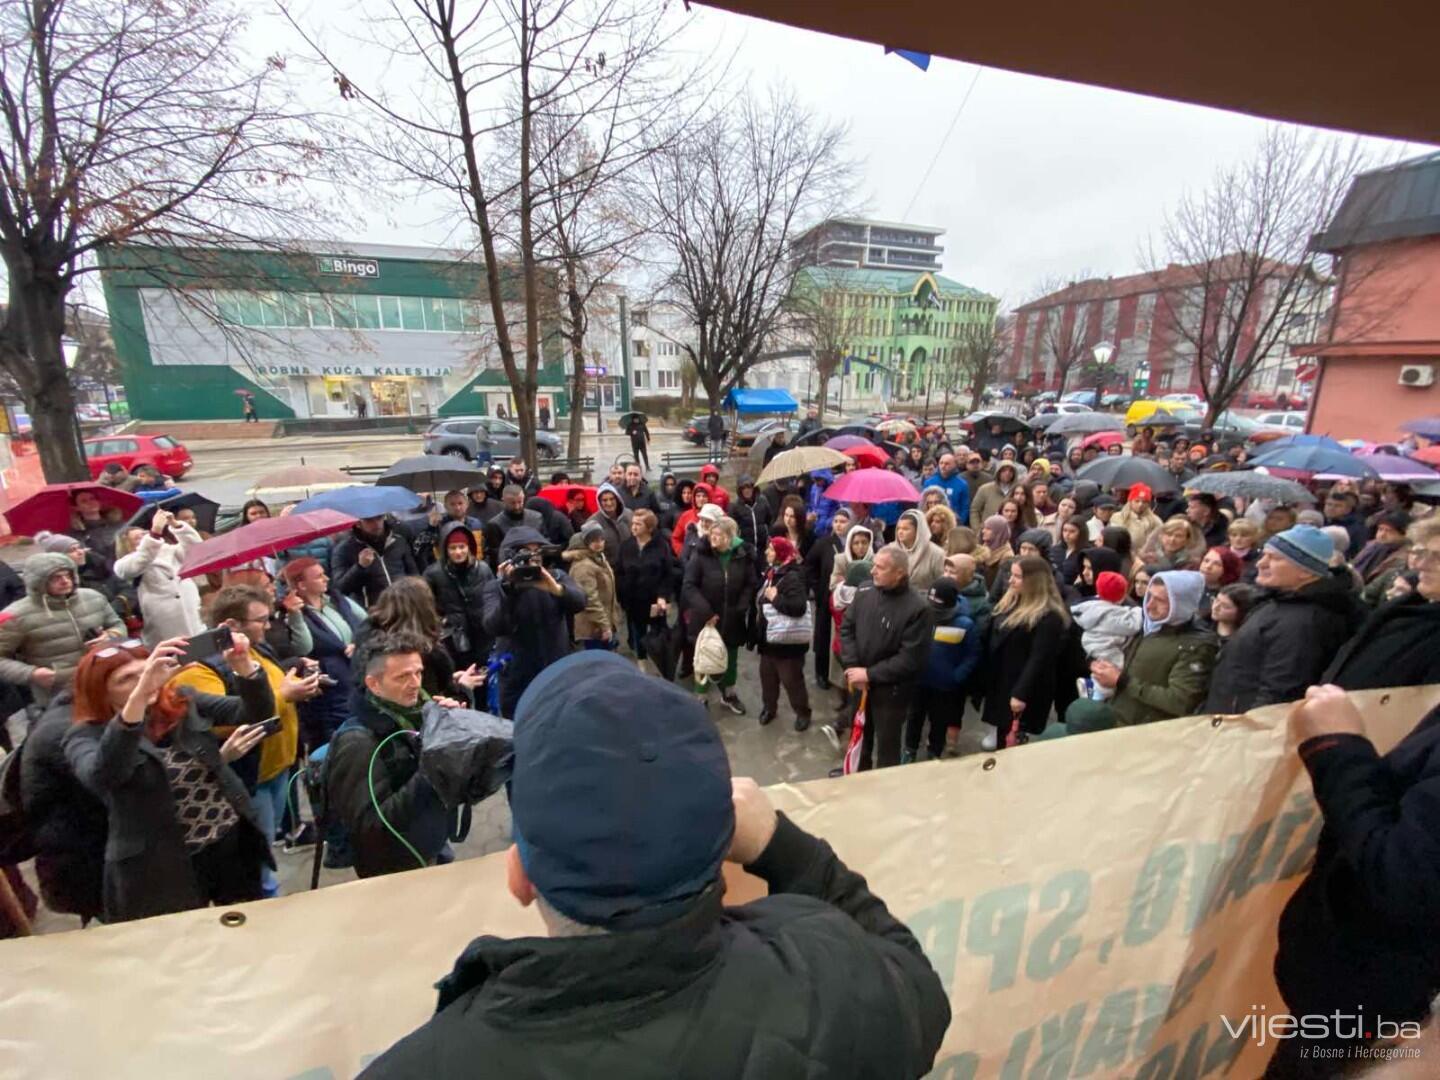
(819, 565)
(751, 513)
(884, 645)
(637, 426)
(524, 610)
(372, 556)
(1308, 611)
(1358, 935)
(1341, 508)
(514, 515)
(622, 819)
(635, 493)
(372, 794)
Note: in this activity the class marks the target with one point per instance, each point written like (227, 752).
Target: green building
(898, 329)
(327, 335)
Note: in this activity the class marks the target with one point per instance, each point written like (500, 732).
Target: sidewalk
(340, 442)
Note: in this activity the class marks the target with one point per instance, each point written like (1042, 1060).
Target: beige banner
(1095, 905)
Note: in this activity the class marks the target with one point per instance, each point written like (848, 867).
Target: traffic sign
(595, 370)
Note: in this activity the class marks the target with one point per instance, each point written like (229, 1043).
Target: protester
(647, 579)
(372, 555)
(791, 524)
(169, 604)
(44, 634)
(1203, 510)
(333, 621)
(719, 590)
(819, 568)
(94, 525)
(885, 642)
(182, 832)
(859, 545)
(700, 498)
(1067, 553)
(949, 479)
(1137, 517)
(1107, 624)
(1118, 540)
(1027, 632)
(940, 693)
(1387, 551)
(1358, 935)
(926, 560)
(1230, 608)
(1308, 611)
(1342, 508)
(1219, 567)
(752, 513)
(995, 551)
(1176, 545)
(513, 514)
(373, 783)
(517, 472)
(457, 583)
(783, 629)
(597, 625)
(1025, 516)
(1243, 537)
(710, 474)
(612, 519)
(991, 497)
(1094, 562)
(975, 478)
(1102, 510)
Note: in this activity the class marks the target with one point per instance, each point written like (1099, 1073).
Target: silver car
(482, 438)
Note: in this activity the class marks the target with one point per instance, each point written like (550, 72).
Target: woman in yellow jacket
(247, 609)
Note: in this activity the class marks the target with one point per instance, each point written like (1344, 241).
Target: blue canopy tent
(760, 400)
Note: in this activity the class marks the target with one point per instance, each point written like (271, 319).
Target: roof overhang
(1330, 63)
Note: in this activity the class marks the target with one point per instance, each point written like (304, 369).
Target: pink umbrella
(872, 486)
(268, 536)
(1393, 467)
(845, 442)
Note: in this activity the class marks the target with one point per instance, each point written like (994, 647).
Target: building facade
(900, 332)
(859, 243)
(1379, 364)
(330, 334)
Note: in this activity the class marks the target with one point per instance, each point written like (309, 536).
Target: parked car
(1044, 396)
(1195, 401)
(753, 429)
(1081, 397)
(1292, 422)
(697, 430)
(1142, 410)
(482, 438)
(1115, 401)
(132, 451)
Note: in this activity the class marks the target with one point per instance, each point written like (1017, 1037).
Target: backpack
(16, 843)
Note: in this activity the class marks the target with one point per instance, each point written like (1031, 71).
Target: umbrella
(1103, 439)
(1008, 424)
(363, 502)
(1042, 421)
(756, 454)
(806, 459)
(559, 494)
(1124, 472)
(896, 425)
(867, 456)
(1313, 459)
(49, 508)
(298, 482)
(1430, 455)
(268, 536)
(429, 472)
(1427, 426)
(1397, 468)
(872, 486)
(1324, 441)
(845, 442)
(1085, 423)
(205, 510)
(1250, 485)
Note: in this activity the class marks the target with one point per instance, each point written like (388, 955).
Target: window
(123, 446)
(164, 442)
(367, 312)
(271, 309)
(412, 313)
(667, 380)
(319, 310)
(295, 309)
(442, 315)
(342, 309)
(390, 313)
(463, 427)
(642, 379)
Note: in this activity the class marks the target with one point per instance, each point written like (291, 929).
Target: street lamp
(1102, 352)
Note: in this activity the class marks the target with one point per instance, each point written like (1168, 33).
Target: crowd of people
(155, 780)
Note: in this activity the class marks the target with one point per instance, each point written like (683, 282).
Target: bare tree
(830, 326)
(523, 111)
(1066, 329)
(728, 198)
(978, 352)
(127, 124)
(1236, 276)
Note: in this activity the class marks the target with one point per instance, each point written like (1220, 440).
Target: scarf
(407, 716)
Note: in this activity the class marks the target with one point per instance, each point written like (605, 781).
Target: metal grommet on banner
(1384, 699)
(232, 919)
(988, 764)
(1216, 721)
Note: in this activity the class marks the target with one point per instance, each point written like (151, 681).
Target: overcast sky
(1039, 178)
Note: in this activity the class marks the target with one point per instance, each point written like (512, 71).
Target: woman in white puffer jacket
(169, 604)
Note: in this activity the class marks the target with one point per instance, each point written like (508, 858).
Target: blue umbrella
(1304, 440)
(1314, 459)
(1428, 426)
(362, 502)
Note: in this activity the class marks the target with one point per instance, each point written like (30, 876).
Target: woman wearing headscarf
(1167, 667)
(783, 594)
(927, 562)
(994, 550)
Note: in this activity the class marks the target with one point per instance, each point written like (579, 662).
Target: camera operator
(362, 784)
(525, 609)
(513, 516)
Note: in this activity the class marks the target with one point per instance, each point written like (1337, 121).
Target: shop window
(412, 312)
(390, 313)
(367, 312)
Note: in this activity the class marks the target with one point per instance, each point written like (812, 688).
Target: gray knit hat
(56, 543)
(1305, 546)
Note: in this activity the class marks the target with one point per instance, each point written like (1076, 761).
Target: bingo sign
(345, 266)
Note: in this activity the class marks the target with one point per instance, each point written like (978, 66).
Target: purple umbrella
(1428, 426)
(872, 486)
(1394, 467)
(844, 442)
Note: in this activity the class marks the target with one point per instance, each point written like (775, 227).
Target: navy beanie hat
(620, 793)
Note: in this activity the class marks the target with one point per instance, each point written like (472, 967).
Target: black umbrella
(1008, 424)
(432, 473)
(1085, 423)
(205, 511)
(1126, 471)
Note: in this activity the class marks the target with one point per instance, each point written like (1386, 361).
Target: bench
(581, 469)
(689, 460)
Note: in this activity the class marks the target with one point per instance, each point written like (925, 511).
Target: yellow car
(1141, 411)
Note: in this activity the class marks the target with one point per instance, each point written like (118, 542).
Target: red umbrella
(268, 536)
(872, 486)
(1430, 455)
(1102, 439)
(559, 494)
(50, 507)
(868, 456)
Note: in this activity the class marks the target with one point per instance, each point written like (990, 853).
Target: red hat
(784, 549)
(1110, 586)
(1142, 491)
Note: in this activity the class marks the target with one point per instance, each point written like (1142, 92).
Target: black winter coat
(754, 520)
(1360, 929)
(458, 591)
(67, 822)
(819, 565)
(1399, 645)
(147, 869)
(499, 526)
(817, 979)
(364, 584)
(644, 499)
(792, 597)
(405, 797)
(712, 588)
(1285, 644)
(644, 575)
(889, 632)
(1021, 663)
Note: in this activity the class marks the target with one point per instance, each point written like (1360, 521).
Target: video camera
(526, 564)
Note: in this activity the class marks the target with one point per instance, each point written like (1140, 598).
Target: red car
(165, 453)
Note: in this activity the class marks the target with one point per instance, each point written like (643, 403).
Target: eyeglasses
(123, 646)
